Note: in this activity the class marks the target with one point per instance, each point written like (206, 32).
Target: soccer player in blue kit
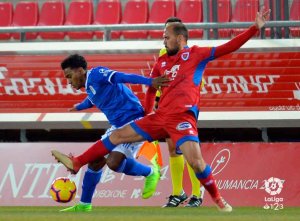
(106, 91)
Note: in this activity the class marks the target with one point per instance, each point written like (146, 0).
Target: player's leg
(100, 148)
(183, 131)
(197, 194)
(123, 160)
(91, 178)
(192, 154)
(176, 162)
(119, 163)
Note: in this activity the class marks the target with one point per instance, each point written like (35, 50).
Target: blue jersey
(106, 90)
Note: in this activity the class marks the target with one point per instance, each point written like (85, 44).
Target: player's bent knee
(114, 160)
(97, 164)
(117, 137)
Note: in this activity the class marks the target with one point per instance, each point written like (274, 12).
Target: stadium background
(250, 112)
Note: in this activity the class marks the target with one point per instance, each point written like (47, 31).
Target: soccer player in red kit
(177, 113)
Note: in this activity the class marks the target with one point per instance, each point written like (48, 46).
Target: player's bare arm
(235, 43)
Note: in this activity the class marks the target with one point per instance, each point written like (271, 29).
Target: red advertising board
(247, 174)
(255, 81)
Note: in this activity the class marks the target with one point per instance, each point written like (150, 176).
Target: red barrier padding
(238, 81)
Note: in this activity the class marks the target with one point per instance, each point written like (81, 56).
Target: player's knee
(172, 152)
(97, 164)
(112, 165)
(195, 165)
(114, 160)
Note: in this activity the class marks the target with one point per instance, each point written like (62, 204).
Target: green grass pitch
(148, 214)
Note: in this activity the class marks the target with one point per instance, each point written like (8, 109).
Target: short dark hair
(74, 61)
(180, 29)
(173, 19)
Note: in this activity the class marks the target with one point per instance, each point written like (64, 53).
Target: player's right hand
(161, 81)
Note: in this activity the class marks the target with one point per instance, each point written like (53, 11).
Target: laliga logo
(273, 186)
(220, 161)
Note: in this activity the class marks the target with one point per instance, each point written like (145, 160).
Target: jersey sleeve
(236, 42)
(105, 75)
(85, 104)
(149, 100)
(205, 54)
(119, 77)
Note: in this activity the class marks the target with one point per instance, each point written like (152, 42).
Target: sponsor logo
(101, 70)
(183, 126)
(237, 184)
(171, 74)
(273, 186)
(163, 64)
(2, 69)
(92, 89)
(296, 92)
(191, 132)
(220, 161)
(185, 56)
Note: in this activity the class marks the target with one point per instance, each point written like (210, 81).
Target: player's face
(76, 77)
(171, 41)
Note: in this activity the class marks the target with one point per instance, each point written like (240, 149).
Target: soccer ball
(63, 190)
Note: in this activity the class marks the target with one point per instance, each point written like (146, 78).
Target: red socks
(93, 153)
(210, 185)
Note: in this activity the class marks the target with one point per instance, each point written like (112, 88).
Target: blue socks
(90, 180)
(130, 166)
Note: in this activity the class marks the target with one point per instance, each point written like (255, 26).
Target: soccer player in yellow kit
(176, 161)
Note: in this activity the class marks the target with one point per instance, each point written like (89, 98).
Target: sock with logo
(207, 180)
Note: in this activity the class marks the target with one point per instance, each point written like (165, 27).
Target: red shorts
(179, 127)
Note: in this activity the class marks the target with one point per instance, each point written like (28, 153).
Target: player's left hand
(72, 109)
(261, 17)
(161, 81)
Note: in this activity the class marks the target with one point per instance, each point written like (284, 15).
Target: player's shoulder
(196, 47)
(205, 51)
(95, 74)
(100, 70)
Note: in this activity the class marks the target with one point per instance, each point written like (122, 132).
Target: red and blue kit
(178, 109)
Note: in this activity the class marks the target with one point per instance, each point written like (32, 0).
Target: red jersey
(186, 69)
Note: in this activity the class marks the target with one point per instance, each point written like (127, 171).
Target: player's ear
(81, 70)
(179, 38)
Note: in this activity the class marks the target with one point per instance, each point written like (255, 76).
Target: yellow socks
(176, 169)
(195, 182)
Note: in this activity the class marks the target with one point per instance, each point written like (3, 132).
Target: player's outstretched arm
(149, 100)
(85, 104)
(160, 81)
(242, 38)
(120, 77)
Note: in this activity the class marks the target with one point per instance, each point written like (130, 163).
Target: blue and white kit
(106, 90)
